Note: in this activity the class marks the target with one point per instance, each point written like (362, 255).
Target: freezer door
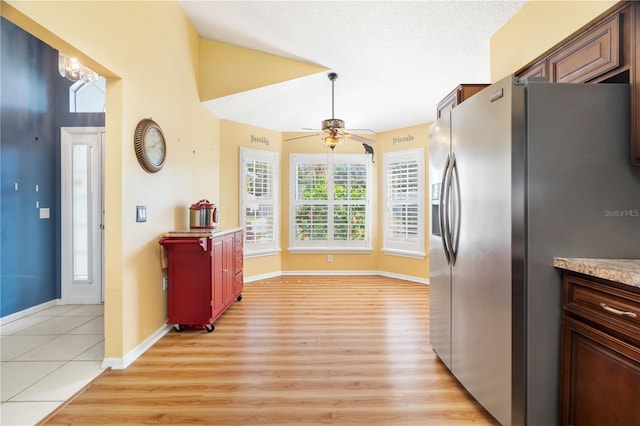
(439, 262)
(481, 279)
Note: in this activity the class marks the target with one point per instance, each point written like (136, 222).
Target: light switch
(141, 213)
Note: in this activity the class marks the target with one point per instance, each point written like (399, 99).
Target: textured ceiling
(395, 59)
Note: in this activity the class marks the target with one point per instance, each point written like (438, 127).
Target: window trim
(263, 248)
(330, 245)
(398, 246)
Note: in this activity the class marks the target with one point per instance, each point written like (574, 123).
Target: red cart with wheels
(201, 274)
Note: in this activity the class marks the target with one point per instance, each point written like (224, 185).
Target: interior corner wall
(233, 136)
(123, 42)
(401, 140)
(318, 262)
(539, 26)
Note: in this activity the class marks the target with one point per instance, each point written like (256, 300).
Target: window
(403, 186)
(259, 201)
(330, 206)
(88, 95)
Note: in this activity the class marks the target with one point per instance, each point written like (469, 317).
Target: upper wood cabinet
(589, 55)
(539, 69)
(606, 50)
(457, 96)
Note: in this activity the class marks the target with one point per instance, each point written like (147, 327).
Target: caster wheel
(179, 327)
(209, 327)
(239, 298)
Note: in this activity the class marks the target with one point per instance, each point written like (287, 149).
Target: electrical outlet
(330, 258)
(165, 283)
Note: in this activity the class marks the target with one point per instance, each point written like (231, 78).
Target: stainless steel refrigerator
(520, 173)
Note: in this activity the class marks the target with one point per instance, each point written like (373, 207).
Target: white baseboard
(26, 312)
(262, 277)
(359, 272)
(128, 359)
(405, 277)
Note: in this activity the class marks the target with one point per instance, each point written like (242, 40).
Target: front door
(82, 215)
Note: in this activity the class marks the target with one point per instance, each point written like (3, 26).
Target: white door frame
(90, 290)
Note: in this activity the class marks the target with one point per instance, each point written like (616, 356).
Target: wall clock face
(150, 146)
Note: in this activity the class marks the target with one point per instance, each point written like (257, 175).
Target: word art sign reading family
(260, 139)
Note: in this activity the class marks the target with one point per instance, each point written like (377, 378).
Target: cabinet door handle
(618, 312)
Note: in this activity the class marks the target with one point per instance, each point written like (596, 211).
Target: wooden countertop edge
(199, 233)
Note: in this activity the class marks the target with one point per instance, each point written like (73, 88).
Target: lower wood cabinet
(600, 383)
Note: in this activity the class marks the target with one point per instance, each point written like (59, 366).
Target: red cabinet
(202, 275)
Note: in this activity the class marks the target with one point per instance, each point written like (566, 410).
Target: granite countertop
(625, 271)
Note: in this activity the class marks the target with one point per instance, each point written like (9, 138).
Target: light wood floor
(295, 351)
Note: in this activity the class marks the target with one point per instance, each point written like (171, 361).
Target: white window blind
(259, 201)
(330, 203)
(403, 187)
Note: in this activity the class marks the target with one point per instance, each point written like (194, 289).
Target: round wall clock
(150, 146)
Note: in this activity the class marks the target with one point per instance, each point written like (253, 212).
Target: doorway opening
(82, 215)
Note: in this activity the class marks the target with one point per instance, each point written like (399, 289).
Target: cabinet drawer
(594, 53)
(612, 307)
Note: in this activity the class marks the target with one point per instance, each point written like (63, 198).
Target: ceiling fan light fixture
(332, 123)
(332, 140)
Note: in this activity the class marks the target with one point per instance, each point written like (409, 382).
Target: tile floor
(46, 358)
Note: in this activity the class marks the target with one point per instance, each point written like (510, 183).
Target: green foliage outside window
(349, 219)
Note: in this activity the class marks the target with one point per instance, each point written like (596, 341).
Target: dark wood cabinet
(593, 53)
(539, 69)
(605, 50)
(457, 96)
(600, 352)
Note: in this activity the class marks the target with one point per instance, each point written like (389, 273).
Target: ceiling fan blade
(368, 131)
(360, 138)
(301, 137)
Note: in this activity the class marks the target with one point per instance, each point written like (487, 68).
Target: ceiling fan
(333, 131)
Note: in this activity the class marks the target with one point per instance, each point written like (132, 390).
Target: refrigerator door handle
(455, 232)
(446, 232)
(443, 215)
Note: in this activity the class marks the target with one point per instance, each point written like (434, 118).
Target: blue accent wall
(34, 104)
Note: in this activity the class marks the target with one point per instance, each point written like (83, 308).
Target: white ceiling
(395, 59)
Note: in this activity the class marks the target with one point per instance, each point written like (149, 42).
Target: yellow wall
(249, 69)
(401, 140)
(233, 136)
(151, 73)
(539, 26)
(318, 261)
